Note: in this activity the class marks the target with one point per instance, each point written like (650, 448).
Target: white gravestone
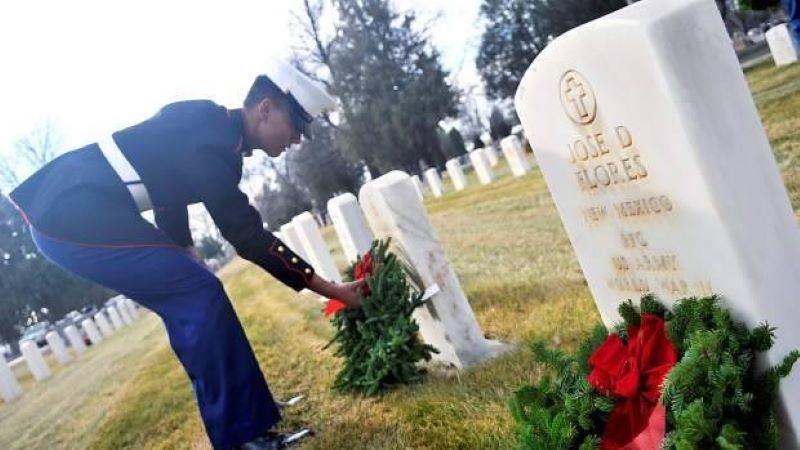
(35, 361)
(482, 167)
(783, 47)
(9, 387)
(75, 339)
(446, 322)
(419, 186)
(292, 239)
(515, 155)
(58, 348)
(489, 150)
(103, 324)
(350, 224)
(434, 182)
(319, 256)
(116, 320)
(662, 172)
(132, 310)
(92, 332)
(491, 155)
(124, 314)
(456, 174)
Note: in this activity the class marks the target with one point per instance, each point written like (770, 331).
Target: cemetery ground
(506, 243)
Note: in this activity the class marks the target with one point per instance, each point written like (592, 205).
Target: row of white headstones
(104, 324)
(482, 160)
(393, 208)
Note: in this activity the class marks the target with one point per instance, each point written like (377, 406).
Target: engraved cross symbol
(575, 94)
(577, 98)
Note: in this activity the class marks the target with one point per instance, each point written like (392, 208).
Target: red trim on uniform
(15, 205)
(87, 244)
(288, 266)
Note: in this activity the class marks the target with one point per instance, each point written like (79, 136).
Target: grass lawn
(510, 251)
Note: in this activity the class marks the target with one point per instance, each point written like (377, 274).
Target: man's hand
(349, 293)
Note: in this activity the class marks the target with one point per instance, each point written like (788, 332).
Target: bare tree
(31, 152)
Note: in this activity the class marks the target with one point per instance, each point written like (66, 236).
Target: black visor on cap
(301, 120)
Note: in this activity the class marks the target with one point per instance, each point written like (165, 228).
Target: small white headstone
(515, 155)
(420, 188)
(75, 340)
(491, 155)
(35, 360)
(434, 182)
(456, 174)
(319, 256)
(123, 311)
(350, 224)
(58, 348)
(481, 165)
(92, 332)
(116, 320)
(662, 172)
(489, 150)
(292, 239)
(446, 322)
(9, 387)
(782, 46)
(133, 311)
(103, 324)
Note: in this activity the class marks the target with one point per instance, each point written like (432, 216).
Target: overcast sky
(92, 67)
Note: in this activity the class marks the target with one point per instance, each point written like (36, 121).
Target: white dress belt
(126, 172)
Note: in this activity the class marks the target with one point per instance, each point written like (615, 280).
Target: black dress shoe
(268, 441)
(276, 441)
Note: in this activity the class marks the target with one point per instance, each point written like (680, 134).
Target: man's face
(274, 130)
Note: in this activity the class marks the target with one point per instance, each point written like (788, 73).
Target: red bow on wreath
(363, 269)
(634, 373)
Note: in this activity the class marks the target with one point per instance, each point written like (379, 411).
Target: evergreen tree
(517, 30)
(391, 85)
(457, 142)
(498, 125)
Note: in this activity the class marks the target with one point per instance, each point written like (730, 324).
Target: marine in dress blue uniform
(793, 12)
(84, 215)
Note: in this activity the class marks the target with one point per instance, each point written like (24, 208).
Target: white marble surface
(292, 239)
(58, 348)
(35, 361)
(102, 322)
(75, 340)
(92, 332)
(661, 171)
(319, 255)
(420, 187)
(133, 311)
(783, 48)
(456, 174)
(351, 226)
(481, 165)
(515, 155)
(10, 389)
(447, 322)
(123, 311)
(434, 182)
(116, 319)
(491, 155)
